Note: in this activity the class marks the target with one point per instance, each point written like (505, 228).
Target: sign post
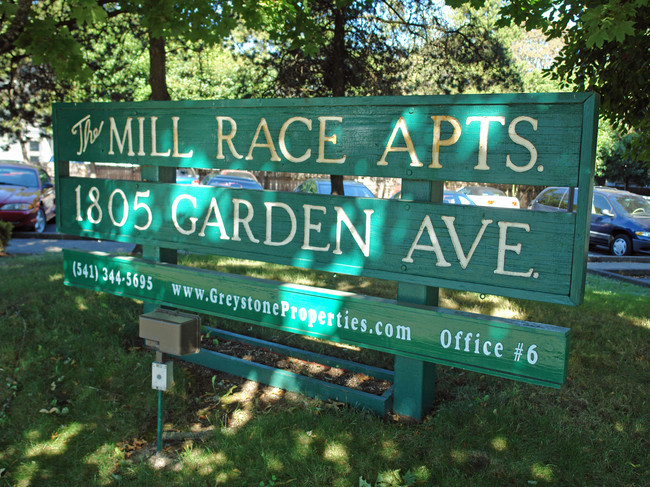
(540, 140)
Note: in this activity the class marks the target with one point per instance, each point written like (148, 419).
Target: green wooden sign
(524, 351)
(524, 139)
(520, 139)
(490, 250)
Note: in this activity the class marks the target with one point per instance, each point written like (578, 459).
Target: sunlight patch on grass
(389, 449)
(459, 456)
(25, 473)
(202, 461)
(543, 472)
(304, 440)
(58, 442)
(499, 443)
(105, 459)
(335, 452)
(56, 277)
(272, 461)
(80, 301)
(333, 344)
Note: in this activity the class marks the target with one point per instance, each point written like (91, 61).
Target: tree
(606, 43)
(363, 44)
(58, 36)
(470, 55)
(622, 167)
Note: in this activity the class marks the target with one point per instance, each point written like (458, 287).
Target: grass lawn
(77, 408)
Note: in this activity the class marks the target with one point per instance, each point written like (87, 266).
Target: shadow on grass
(75, 355)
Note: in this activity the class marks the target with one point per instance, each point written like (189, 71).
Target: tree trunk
(338, 78)
(157, 69)
(158, 84)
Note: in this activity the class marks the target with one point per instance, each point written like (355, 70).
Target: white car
(487, 196)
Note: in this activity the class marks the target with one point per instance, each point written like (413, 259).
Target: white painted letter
(193, 219)
(464, 261)
(263, 126)
(219, 223)
(126, 135)
(517, 139)
(154, 151)
(331, 138)
(175, 136)
(341, 216)
(426, 224)
(236, 220)
(310, 226)
(503, 230)
(228, 138)
(269, 223)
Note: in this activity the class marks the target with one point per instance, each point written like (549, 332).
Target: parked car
(449, 197)
(230, 182)
(187, 175)
(487, 196)
(26, 196)
(620, 220)
(324, 186)
(239, 173)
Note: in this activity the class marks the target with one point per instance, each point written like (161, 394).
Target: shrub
(5, 234)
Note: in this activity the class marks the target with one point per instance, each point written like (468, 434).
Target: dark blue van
(620, 220)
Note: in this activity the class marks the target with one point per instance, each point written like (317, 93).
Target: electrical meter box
(171, 332)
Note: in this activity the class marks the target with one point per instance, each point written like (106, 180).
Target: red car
(26, 196)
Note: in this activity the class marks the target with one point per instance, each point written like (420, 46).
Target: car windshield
(634, 205)
(14, 176)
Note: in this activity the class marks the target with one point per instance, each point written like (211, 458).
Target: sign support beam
(415, 379)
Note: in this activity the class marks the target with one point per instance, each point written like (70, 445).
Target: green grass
(75, 387)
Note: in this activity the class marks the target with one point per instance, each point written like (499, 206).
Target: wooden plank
(516, 253)
(415, 380)
(532, 139)
(289, 381)
(529, 352)
(376, 372)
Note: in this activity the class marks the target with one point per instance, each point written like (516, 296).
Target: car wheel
(39, 226)
(621, 245)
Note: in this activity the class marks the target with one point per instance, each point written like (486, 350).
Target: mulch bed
(333, 375)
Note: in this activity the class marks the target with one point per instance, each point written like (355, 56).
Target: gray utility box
(171, 332)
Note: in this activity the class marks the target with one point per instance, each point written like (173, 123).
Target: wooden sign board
(523, 139)
(525, 351)
(542, 140)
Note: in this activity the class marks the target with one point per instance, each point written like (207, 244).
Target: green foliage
(606, 42)
(469, 56)
(623, 165)
(356, 52)
(5, 234)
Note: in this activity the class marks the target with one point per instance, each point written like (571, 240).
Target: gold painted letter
(401, 126)
(483, 138)
(283, 144)
(228, 138)
(269, 142)
(322, 138)
(437, 143)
